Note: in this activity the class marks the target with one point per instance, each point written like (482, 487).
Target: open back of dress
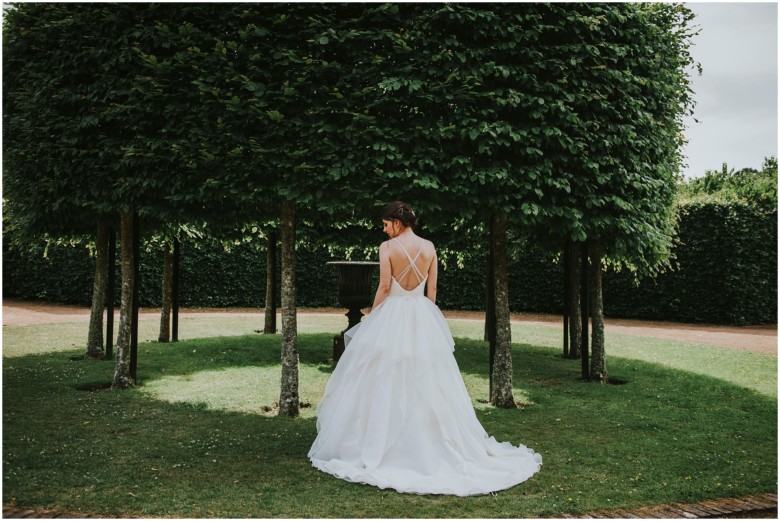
(411, 268)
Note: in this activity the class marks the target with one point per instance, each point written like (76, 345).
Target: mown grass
(193, 441)
(746, 369)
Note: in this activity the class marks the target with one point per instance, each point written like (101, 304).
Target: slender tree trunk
(289, 401)
(502, 363)
(122, 376)
(176, 288)
(110, 293)
(167, 294)
(598, 363)
(575, 316)
(490, 308)
(490, 300)
(270, 286)
(95, 336)
(585, 309)
(566, 298)
(136, 296)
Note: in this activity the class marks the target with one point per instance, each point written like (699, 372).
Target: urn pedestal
(354, 294)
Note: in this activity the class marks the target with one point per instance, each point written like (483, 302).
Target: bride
(396, 413)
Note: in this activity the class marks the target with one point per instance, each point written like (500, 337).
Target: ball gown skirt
(396, 413)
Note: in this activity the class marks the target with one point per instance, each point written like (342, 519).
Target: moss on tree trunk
(167, 294)
(270, 286)
(288, 400)
(122, 376)
(501, 395)
(490, 306)
(575, 313)
(95, 336)
(598, 362)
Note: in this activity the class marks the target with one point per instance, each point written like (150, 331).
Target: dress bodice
(396, 290)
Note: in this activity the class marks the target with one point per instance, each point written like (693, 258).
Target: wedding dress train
(396, 413)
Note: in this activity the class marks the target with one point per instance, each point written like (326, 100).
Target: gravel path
(761, 339)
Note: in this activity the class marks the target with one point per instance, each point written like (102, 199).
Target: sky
(736, 94)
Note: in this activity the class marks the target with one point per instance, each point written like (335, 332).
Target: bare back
(411, 261)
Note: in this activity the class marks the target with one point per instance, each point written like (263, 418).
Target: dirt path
(761, 339)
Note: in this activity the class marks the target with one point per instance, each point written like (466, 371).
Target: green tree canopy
(747, 184)
(566, 117)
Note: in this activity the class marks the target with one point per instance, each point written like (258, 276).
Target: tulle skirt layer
(397, 415)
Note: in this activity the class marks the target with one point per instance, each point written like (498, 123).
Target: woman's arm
(385, 274)
(433, 275)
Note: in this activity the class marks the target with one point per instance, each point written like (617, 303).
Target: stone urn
(354, 294)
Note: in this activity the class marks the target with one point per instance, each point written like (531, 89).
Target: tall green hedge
(726, 273)
(211, 276)
(726, 270)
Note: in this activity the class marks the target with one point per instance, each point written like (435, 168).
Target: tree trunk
(270, 286)
(490, 308)
(110, 293)
(95, 336)
(598, 363)
(122, 377)
(584, 309)
(490, 301)
(136, 296)
(289, 401)
(566, 297)
(502, 363)
(167, 294)
(575, 313)
(176, 288)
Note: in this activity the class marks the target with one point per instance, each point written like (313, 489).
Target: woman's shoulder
(428, 244)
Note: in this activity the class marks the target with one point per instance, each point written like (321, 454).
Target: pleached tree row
(560, 122)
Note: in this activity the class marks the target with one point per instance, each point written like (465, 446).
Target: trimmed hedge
(211, 276)
(726, 273)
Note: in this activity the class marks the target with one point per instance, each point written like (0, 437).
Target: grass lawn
(746, 369)
(194, 439)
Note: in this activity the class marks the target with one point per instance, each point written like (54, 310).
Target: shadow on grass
(665, 436)
(157, 360)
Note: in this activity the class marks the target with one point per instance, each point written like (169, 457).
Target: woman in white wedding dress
(396, 413)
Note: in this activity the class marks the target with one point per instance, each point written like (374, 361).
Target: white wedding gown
(396, 413)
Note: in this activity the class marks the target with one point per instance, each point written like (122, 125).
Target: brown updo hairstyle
(401, 211)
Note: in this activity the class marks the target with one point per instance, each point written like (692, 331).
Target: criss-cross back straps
(412, 266)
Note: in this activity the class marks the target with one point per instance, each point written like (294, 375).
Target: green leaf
(275, 115)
